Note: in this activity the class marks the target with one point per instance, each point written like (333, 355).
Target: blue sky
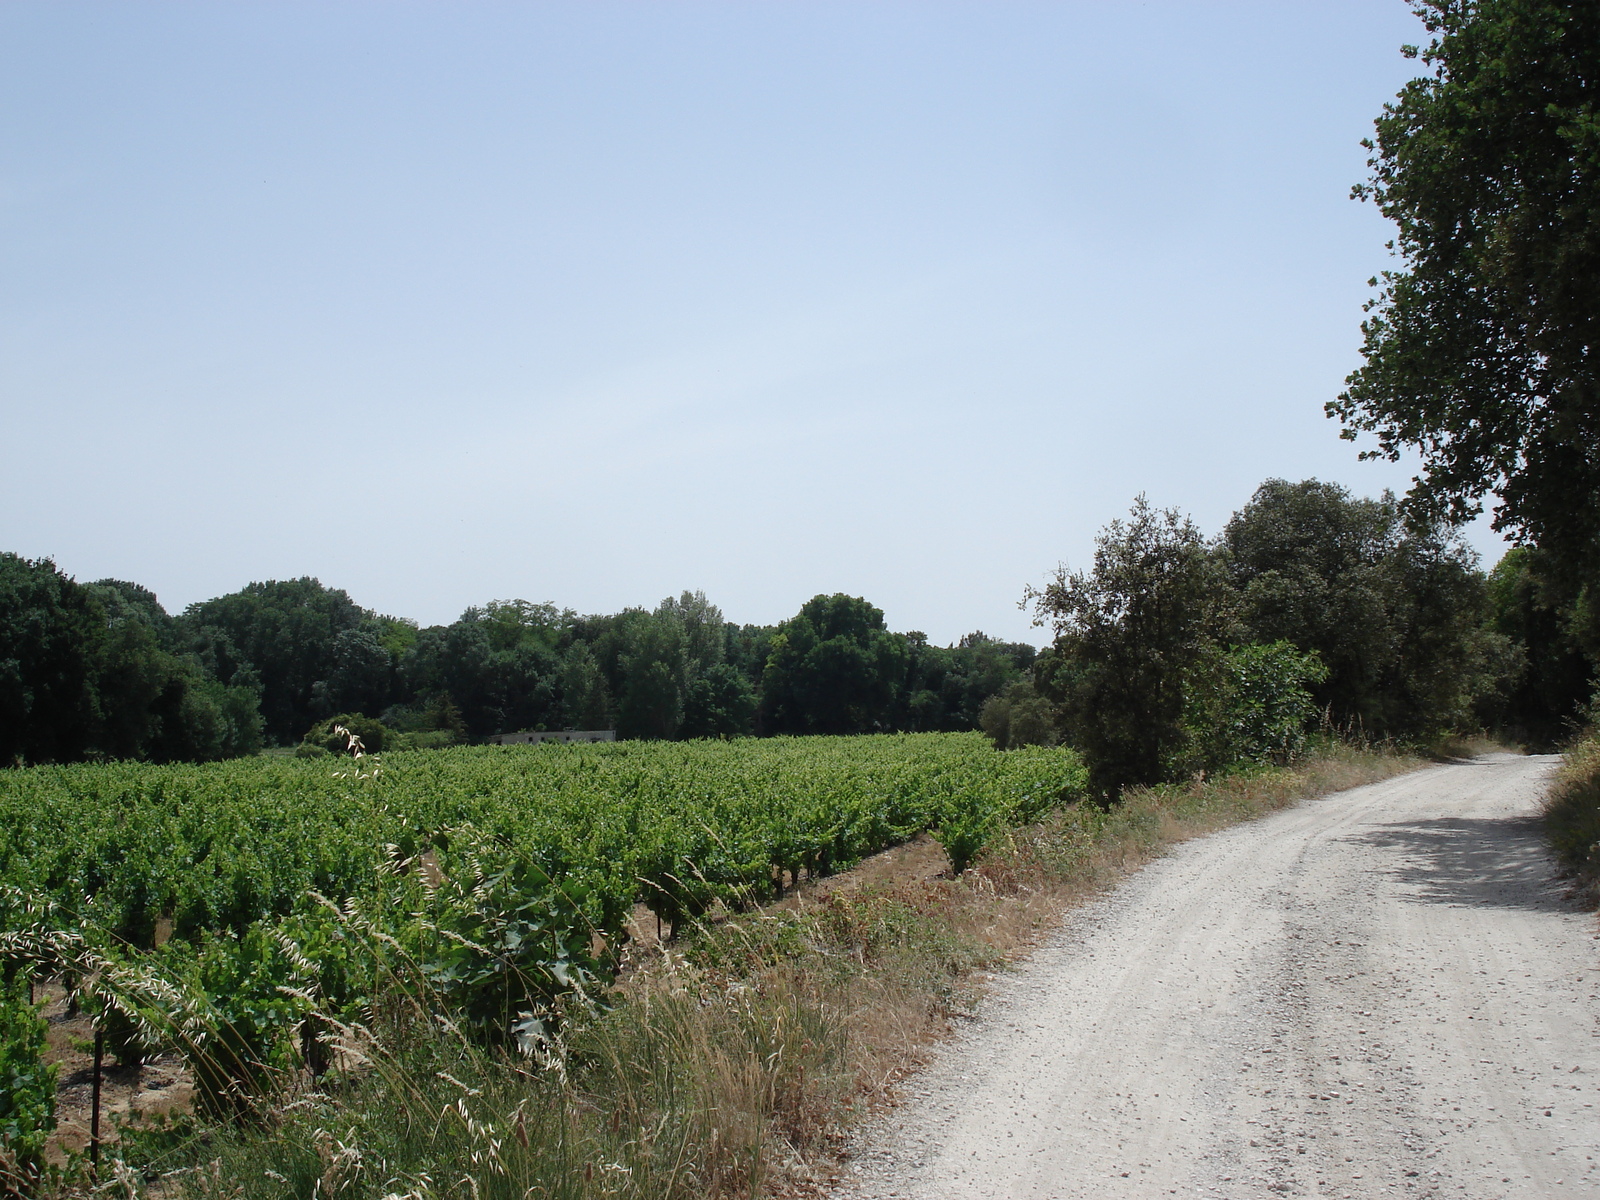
(595, 302)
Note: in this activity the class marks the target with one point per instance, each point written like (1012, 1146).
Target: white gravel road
(1376, 993)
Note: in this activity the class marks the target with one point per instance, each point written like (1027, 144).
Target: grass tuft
(1572, 816)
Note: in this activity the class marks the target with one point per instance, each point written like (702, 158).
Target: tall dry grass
(1572, 815)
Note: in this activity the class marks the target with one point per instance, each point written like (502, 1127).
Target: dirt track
(1376, 993)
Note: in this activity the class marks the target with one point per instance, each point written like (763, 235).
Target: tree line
(102, 670)
(1175, 654)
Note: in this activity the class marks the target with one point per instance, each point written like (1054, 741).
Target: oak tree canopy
(1481, 349)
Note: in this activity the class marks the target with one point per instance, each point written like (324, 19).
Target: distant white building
(526, 736)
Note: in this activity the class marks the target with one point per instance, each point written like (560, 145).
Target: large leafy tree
(83, 673)
(52, 633)
(720, 703)
(1312, 566)
(704, 630)
(280, 636)
(1481, 349)
(644, 660)
(1543, 698)
(947, 687)
(498, 678)
(834, 668)
(1394, 613)
(156, 704)
(132, 602)
(654, 670)
(586, 698)
(1135, 638)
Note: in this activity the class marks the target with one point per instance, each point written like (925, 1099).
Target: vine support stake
(94, 1104)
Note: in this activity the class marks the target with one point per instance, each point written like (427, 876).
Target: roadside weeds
(1572, 817)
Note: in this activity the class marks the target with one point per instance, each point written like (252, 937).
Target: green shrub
(965, 829)
(124, 1036)
(154, 1143)
(27, 1092)
(1259, 705)
(421, 739)
(1019, 716)
(373, 734)
(239, 1002)
(502, 944)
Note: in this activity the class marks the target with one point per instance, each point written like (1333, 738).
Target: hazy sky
(594, 302)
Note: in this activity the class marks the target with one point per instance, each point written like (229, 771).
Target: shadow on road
(1501, 861)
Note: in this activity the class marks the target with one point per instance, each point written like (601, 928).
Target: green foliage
(27, 1091)
(1541, 697)
(422, 739)
(1480, 350)
(515, 624)
(126, 1036)
(85, 673)
(1133, 638)
(237, 1017)
(678, 1098)
(499, 668)
(430, 725)
(654, 666)
(1261, 707)
(359, 672)
(720, 704)
(208, 720)
(482, 889)
(698, 1078)
(337, 960)
(126, 602)
(284, 638)
(834, 668)
(153, 1142)
(586, 695)
(964, 829)
(946, 687)
(501, 944)
(374, 735)
(51, 631)
(967, 819)
(1329, 604)
(217, 848)
(1019, 716)
(1395, 614)
(256, 666)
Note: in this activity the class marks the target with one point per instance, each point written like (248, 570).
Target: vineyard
(231, 910)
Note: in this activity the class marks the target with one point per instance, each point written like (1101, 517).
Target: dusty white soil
(1377, 993)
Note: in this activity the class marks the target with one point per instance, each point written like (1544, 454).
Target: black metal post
(94, 1107)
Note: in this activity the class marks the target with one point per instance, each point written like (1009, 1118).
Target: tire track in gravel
(1380, 992)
